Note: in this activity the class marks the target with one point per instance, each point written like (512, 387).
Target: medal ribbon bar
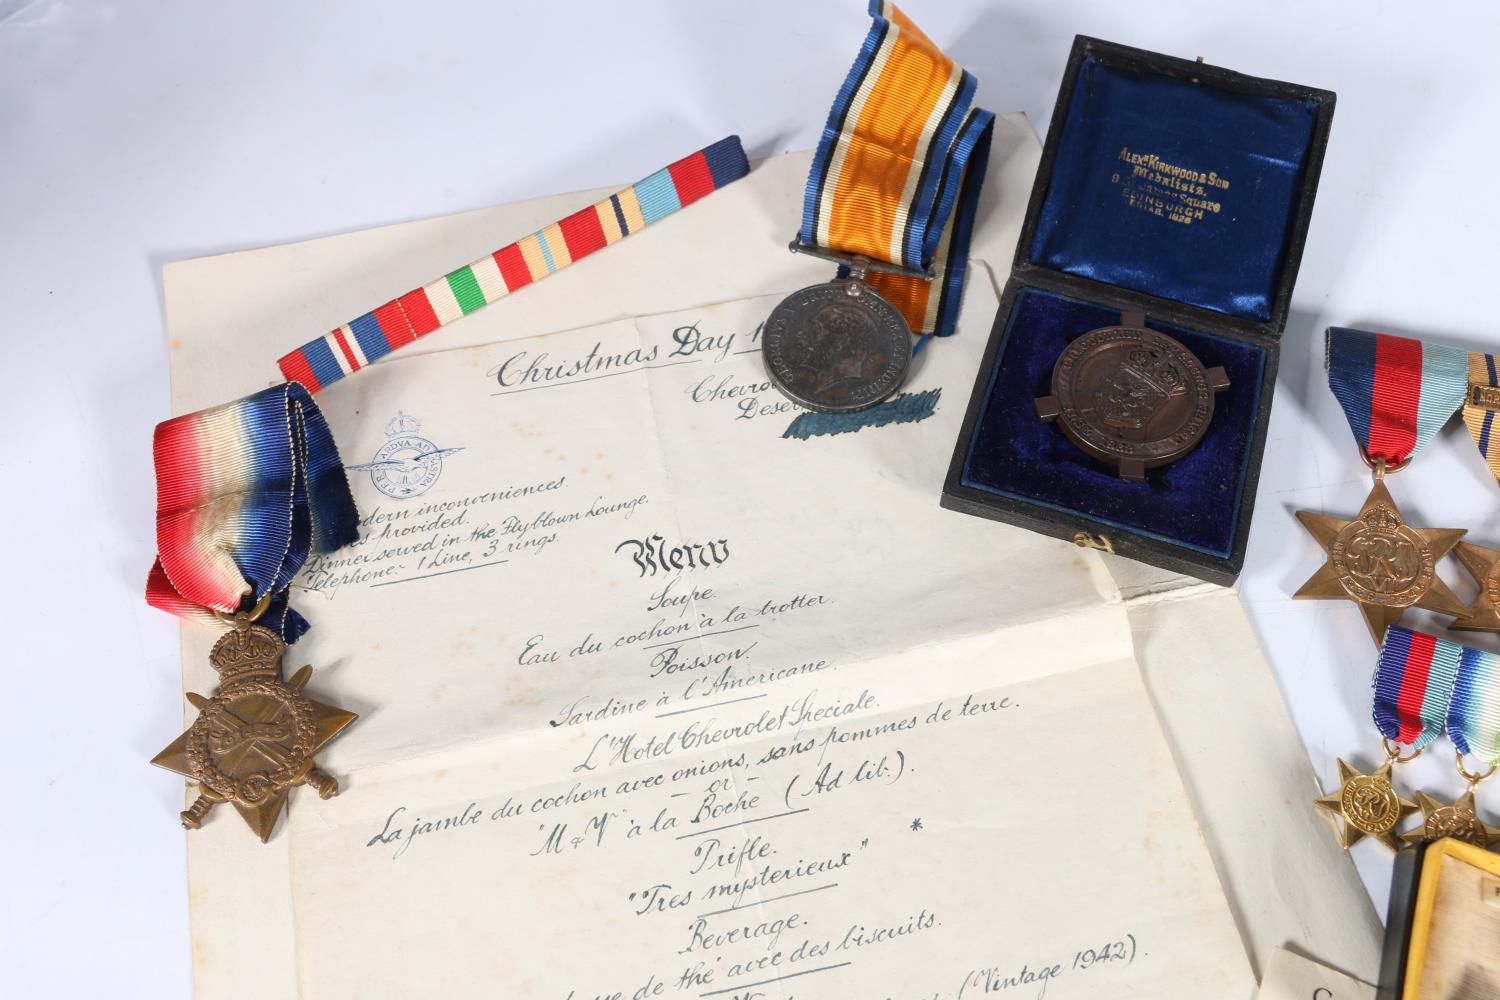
(246, 490)
(903, 154)
(420, 311)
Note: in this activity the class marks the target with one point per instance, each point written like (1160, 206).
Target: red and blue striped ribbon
(1414, 683)
(1474, 712)
(368, 338)
(244, 491)
(1397, 392)
(898, 170)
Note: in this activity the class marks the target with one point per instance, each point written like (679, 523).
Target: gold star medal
(1380, 562)
(1460, 821)
(255, 739)
(245, 492)
(1368, 804)
(1414, 683)
(1397, 393)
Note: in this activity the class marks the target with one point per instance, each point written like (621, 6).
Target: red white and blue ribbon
(1396, 392)
(898, 170)
(1474, 712)
(370, 337)
(1414, 683)
(244, 491)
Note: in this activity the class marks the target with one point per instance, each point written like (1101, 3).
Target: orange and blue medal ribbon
(1396, 392)
(247, 490)
(1414, 685)
(898, 171)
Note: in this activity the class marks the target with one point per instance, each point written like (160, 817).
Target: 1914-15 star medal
(1460, 821)
(1368, 804)
(1484, 565)
(1381, 563)
(254, 740)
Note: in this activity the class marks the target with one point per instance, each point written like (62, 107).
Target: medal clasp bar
(1486, 397)
(858, 264)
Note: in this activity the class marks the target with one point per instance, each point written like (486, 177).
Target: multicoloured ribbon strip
(244, 491)
(1413, 684)
(1396, 392)
(402, 320)
(904, 149)
(1474, 712)
(1480, 403)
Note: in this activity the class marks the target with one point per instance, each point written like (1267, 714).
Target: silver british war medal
(890, 199)
(838, 346)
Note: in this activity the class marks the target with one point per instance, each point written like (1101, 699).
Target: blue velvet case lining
(1141, 164)
(1193, 502)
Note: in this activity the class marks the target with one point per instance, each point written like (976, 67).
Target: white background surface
(136, 134)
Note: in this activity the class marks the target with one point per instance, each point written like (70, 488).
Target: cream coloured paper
(1289, 976)
(228, 315)
(741, 705)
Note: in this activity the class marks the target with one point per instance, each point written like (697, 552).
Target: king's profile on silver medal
(839, 346)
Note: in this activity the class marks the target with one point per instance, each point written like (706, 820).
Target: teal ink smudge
(907, 408)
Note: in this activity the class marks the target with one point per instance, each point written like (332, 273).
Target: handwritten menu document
(669, 689)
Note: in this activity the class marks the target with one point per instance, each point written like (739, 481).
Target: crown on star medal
(1380, 562)
(255, 739)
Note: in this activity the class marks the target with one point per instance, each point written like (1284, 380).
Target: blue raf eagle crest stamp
(407, 465)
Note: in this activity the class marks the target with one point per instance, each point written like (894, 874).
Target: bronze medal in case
(1132, 397)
